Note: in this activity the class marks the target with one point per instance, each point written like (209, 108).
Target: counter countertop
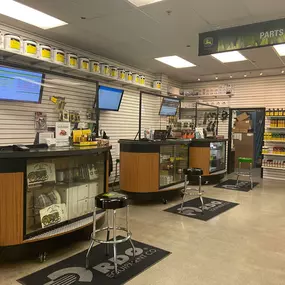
(53, 152)
(170, 142)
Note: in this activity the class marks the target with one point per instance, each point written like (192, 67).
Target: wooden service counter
(157, 166)
(49, 192)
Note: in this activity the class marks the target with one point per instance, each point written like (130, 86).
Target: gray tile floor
(245, 245)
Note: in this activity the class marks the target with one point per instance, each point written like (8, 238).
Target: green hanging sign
(243, 37)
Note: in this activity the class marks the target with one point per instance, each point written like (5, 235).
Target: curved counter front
(157, 166)
(49, 192)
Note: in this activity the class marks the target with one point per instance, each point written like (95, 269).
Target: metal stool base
(186, 191)
(114, 241)
(245, 174)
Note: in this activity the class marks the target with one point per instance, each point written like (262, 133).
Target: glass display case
(217, 156)
(173, 159)
(60, 190)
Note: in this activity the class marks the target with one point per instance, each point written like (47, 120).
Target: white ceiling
(118, 30)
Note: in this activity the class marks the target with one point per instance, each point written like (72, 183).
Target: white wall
(17, 119)
(268, 92)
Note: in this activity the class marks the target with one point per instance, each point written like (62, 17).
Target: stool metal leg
(200, 193)
(92, 239)
(128, 231)
(108, 233)
(184, 194)
(250, 176)
(115, 239)
(239, 167)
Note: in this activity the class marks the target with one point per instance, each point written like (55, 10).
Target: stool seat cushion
(193, 172)
(111, 201)
(245, 159)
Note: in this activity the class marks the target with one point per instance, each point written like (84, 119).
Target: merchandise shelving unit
(272, 161)
(274, 141)
(11, 57)
(273, 154)
(271, 167)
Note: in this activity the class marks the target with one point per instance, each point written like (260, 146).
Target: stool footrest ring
(121, 240)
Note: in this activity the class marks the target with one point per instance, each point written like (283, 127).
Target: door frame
(230, 131)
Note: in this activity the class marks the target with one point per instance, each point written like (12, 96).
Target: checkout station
(48, 189)
(153, 165)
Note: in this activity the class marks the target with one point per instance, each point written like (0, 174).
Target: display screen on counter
(109, 98)
(169, 107)
(20, 85)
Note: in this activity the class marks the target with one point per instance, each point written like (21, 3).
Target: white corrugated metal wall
(268, 92)
(17, 119)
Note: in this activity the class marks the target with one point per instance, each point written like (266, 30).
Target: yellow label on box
(31, 49)
(73, 61)
(137, 80)
(106, 70)
(130, 77)
(60, 57)
(46, 53)
(15, 44)
(84, 64)
(96, 68)
(122, 75)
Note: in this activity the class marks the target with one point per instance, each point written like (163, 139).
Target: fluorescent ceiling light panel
(229, 56)
(140, 3)
(29, 15)
(280, 49)
(175, 61)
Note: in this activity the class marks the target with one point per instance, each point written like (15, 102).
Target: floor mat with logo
(193, 208)
(71, 271)
(230, 184)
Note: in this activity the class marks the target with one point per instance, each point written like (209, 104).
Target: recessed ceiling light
(140, 3)
(229, 56)
(217, 77)
(261, 74)
(280, 49)
(29, 15)
(231, 76)
(199, 79)
(245, 75)
(282, 71)
(175, 61)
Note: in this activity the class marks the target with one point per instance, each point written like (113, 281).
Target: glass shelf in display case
(62, 189)
(217, 156)
(173, 159)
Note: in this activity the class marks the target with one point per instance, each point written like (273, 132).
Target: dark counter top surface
(171, 142)
(53, 152)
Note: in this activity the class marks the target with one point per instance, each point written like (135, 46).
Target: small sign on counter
(62, 133)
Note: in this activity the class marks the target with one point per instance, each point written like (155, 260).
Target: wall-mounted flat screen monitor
(20, 85)
(169, 107)
(109, 99)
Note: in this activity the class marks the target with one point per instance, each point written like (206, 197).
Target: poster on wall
(242, 37)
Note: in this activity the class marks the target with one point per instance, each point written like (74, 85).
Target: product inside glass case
(62, 189)
(173, 159)
(218, 156)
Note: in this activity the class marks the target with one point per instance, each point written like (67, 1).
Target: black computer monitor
(169, 107)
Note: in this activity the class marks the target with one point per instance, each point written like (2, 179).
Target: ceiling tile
(263, 57)
(219, 11)
(266, 8)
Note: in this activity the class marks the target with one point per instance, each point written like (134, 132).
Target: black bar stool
(111, 202)
(189, 173)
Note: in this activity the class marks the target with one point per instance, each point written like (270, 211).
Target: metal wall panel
(262, 92)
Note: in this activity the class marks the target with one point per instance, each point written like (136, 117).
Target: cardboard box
(242, 117)
(242, 131)
(243, 124)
